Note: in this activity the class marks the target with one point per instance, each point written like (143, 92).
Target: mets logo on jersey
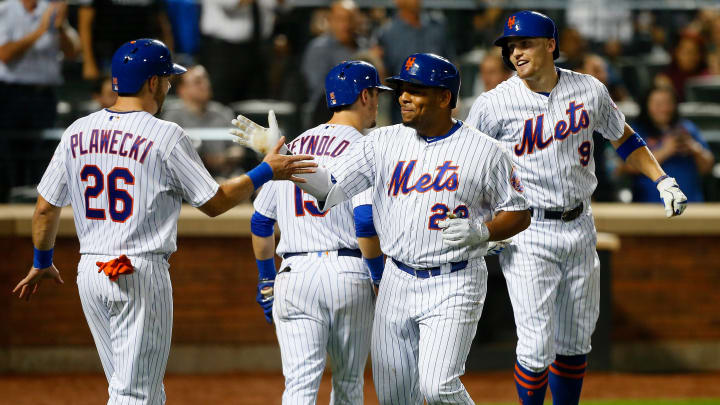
(445, 178)
(515, 181)
(578, 119)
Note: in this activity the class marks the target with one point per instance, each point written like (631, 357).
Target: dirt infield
(266, 389)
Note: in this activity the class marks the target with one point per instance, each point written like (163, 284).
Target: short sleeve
(188, 175)
(481, 118)
(355, 170)
(4, 23)
(504, 191)
(266, 200)
(364, 198)
(54, 184)
(611, 121)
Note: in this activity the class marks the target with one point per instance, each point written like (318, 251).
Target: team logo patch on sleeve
(515, 181)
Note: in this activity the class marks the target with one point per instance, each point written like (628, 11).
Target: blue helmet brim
(177, 69)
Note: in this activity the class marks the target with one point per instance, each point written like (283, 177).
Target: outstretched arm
(633, 150)
(274, 166)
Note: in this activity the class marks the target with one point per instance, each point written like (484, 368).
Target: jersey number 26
(115, 195)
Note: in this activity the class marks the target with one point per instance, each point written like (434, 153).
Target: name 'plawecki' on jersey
(419, 182)
(113, 142)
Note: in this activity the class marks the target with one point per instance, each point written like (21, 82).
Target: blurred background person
(339, 42)
(104, 25)
(676, 143)
(689, 59)
(195, 108)
(103, 94)
(411, 30)
(493, 71)
(34, 38)
(235, 38)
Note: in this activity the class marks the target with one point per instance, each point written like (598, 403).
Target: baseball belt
(565, 216)
(340, 252)
(431, 271)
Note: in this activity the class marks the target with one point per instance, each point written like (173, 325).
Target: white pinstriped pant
(422, 334)
(323, 306)
(552, 272)
(131, 322)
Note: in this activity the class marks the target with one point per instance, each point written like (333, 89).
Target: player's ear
(153, 82)
(445, 97)
(551, 44)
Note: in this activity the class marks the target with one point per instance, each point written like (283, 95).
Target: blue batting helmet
(136, 61)
(345, 82)
(529, 24)
(430, 70)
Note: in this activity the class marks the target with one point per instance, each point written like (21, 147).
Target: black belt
(429, 271)
(565, 216)
(340, 252)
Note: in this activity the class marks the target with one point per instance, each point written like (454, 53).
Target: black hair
(644, 118)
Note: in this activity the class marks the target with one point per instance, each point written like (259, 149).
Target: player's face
(530, 56)
(419, 105)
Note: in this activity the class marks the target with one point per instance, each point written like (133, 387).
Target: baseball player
(126, 173)
(434, 182)
(545, 118)
(323, 299)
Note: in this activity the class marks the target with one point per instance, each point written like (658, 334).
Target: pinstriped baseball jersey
(418, 182)
(549, 137)
(126, 175)
(303, 226)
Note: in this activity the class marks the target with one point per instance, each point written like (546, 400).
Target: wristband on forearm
(266, 269)
(42, 258)
(260, 175)
(376, 266)
(661, 178)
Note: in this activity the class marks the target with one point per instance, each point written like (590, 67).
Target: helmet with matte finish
(345, 82)
(528, 24)
(430, 70)
(136, 61)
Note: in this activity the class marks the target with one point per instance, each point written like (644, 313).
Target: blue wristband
(266, 269)
(376, 266)
(631, 144)
(42, 258)
(260, 175)
(661, 178)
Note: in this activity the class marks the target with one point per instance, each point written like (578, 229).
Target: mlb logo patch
(332, 98)
(114, 83)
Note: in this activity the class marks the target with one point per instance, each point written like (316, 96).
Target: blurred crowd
(661, 66)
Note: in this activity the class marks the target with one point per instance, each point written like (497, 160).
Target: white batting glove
(462, 232)
(673, 198)
(257, 137)
(496, 247)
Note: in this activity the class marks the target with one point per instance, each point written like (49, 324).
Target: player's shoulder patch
(515, 180)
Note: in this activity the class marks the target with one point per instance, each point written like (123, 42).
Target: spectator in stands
(340, 42)
(104, 25)
(412, 30)
(573, 49)
(596, 66)
(676, 144)
(103, 94)
(493, 70)
(33, 36)
(236, 40)
(689, 60)
(196, 109)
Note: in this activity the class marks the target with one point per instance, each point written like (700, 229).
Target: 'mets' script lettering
(445, 178)
(578, 119)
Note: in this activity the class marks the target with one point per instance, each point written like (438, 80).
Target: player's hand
(462, 232)
(266, 297)
(673, 198)
(31, 283)
(254, 136)
(285, 167)
(496, 247)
